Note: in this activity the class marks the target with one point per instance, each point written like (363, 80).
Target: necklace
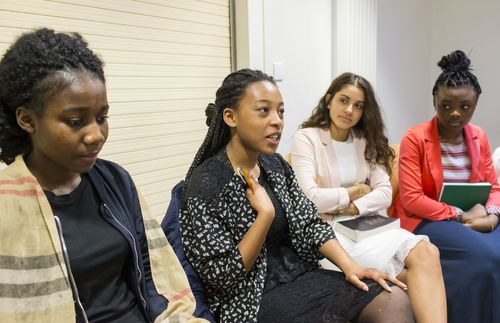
(254, 171)
(457, 141)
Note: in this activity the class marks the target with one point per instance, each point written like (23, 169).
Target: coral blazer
(421, 174)
(316, 167)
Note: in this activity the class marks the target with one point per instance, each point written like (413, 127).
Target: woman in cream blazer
(346, 174)
(317, 169)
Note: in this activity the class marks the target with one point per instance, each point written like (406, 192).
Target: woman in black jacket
(77, 244)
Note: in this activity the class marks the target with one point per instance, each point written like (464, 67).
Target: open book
(465, 195)
(366, 226)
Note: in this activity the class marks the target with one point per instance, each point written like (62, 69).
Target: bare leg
(387, 308)
(403, 276)
(425, 284)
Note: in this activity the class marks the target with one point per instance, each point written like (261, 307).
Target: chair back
(394, 175)
(171, 228)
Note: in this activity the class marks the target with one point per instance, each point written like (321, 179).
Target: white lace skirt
(385, 251)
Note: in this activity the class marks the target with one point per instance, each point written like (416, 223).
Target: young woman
(77, 244)
(342, 162)
(257, 249)
(448, 149)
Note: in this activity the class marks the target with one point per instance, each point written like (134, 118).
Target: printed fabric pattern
(216, 216)
(34, 279)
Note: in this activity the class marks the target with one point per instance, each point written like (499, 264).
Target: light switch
(278, 71)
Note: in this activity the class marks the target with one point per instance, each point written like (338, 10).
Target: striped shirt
(456, 162)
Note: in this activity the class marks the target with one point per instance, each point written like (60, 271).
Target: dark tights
(387, 307)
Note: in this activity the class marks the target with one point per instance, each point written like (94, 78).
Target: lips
(455, 123)
(345, 119)
(274, 138)
(92, 157)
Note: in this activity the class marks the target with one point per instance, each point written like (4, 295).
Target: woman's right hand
(259, 199)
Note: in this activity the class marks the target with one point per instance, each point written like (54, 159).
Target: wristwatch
(460, 213)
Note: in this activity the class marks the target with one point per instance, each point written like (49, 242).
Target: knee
(484, 261)
(424, 253)
(428, 249)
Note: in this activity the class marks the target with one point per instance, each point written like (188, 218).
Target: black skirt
(316, 296)
(297, 291)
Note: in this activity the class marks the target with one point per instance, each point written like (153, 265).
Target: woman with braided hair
(256, 245)
(450, 149)
(77, 244)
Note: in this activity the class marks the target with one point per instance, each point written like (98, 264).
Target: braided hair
(456, 72)
(370, 126)
(37, 66)
(228, 95)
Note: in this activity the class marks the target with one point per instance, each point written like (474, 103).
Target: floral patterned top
(217, 214)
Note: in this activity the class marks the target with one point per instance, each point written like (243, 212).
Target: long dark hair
(28, 77)
(370, 126)
(228, 95)
(456, 72)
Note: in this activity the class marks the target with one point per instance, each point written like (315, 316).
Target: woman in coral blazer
(449, 149)
(342, 161)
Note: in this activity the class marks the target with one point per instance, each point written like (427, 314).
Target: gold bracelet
(358, 187)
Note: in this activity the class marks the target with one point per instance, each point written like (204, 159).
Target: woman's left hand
(358, 273)
(484, 224)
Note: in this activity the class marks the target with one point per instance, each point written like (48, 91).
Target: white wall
(298, 34)
(412, 35)
(403, 59)
(473, 27)
(354, 23)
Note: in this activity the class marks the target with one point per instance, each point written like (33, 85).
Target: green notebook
(465, 195)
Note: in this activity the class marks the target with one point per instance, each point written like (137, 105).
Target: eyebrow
(83, 109)
(346, 96)
(449, 101)
(263, 100)
(268, 101)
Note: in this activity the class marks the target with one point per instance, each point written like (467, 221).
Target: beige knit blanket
(33, 278)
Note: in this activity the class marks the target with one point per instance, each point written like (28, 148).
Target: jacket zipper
(136, 255)
(71, 279)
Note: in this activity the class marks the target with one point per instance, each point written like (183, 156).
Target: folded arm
(327, 200)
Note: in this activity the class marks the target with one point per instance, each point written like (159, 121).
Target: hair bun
(210, 113)
(455, 61)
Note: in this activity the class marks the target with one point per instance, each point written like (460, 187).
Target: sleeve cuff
(343, 199)
(493, 209)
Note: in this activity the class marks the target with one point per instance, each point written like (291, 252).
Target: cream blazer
(316, 168)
